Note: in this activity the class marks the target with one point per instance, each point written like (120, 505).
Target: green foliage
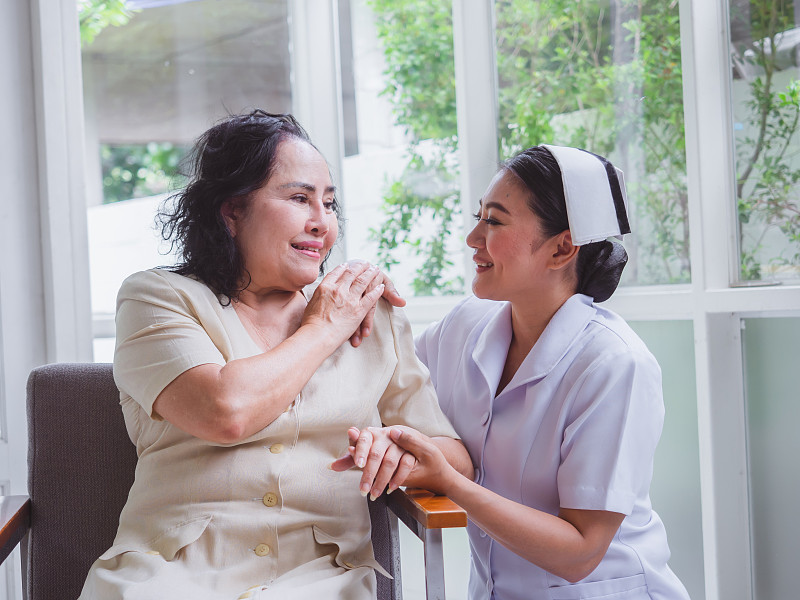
(136, 171)
(571, 73)
(768, 183)
(129, 171)
(96, 15)
(604, 75)
(559, 82)
(417, 37)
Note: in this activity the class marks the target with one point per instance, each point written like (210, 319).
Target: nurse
(557, 400)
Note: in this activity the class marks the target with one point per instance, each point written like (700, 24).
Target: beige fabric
(211, 521)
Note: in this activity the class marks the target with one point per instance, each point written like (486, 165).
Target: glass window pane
(765, 84)
(605, 75)
(771, 348)
(675, 491)
(157, 73)
(400, 180)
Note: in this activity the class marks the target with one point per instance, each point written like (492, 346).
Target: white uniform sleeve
(613, 427)
(158, 338)
(426, 345)
(410, 398)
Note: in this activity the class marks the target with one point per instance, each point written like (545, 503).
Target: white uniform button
(276, 448)
(270, 499)
(485, 417)
(482, 533)
(477, 474)
(262, 550)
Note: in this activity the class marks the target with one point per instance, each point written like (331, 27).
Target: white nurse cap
(594, 190)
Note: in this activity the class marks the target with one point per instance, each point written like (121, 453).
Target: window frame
(711, 301)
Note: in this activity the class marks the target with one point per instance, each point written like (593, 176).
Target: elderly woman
(237, 388)
(556, 398)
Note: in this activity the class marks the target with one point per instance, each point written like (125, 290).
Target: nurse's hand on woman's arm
(569, 545)
(386, 466)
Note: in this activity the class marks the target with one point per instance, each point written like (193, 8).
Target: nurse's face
(512, 255)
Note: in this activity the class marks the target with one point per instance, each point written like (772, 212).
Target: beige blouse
(266, 515)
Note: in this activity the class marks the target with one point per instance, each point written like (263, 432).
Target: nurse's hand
(383, 463)
(432, 470)
(390, 294)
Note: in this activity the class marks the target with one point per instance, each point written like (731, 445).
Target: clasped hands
(393, 456)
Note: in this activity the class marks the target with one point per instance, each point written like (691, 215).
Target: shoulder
(469, 315)
(612, 349)
(163, 286)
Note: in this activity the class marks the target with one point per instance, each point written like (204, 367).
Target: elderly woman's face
(288, 226)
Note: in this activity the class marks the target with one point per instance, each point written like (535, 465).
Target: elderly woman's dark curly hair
(231, 160)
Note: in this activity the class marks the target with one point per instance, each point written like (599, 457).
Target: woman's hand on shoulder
(343, 299)
(390, 294)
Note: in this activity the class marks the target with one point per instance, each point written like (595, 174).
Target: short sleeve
(158, 337)
(410, 398)
(613, 427)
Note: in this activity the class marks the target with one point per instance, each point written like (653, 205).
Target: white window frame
(715, 308)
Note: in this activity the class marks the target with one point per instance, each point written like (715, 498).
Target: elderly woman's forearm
(226, 404)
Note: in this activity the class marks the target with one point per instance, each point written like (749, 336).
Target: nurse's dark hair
(230, 161)
(599, 265)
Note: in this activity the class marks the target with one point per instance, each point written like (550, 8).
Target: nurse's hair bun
(599, 268)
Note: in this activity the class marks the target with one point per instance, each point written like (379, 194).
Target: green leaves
(96, 15)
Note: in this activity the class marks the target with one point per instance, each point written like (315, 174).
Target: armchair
(81, 465)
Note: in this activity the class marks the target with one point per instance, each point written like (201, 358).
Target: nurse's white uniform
(576, 427)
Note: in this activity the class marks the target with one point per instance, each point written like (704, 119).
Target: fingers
(393, 467)
(342, 464)
(385, 465)
(379, 463)
(347, 462)
(406, 440)
(407, 464)
(390, 293)
(363, 447)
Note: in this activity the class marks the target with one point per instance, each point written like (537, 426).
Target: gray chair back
(81, 465)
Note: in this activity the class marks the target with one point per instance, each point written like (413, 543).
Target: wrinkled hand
(384, 465)
(391, 295)
(343, 299)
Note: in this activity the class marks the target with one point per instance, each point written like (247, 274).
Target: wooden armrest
(15, 520)
(426, 508)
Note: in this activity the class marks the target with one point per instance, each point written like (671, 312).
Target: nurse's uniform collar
(595, 195)
(558, 337)
(491, 347)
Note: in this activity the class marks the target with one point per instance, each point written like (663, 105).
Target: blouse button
(262, 550)
(270, 499)
(276, 448)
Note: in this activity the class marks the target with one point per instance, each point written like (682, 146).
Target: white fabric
(576, 427)
(590, 205)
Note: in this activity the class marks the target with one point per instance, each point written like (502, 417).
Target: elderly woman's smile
(286, 228)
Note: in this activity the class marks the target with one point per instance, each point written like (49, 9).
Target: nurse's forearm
(456, 454)
(570, 549)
